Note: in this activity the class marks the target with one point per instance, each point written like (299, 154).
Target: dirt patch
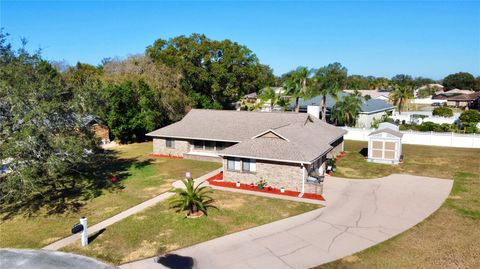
(351, 259)
(230, 203)
(146, 249)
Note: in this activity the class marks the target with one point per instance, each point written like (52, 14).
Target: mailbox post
(83, 221)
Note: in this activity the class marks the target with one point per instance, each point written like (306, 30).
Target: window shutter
(253, 165)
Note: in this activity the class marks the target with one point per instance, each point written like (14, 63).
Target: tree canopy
(460, 80)
(214, 73)
(43, 136)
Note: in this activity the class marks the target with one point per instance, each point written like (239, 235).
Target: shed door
(389, 153)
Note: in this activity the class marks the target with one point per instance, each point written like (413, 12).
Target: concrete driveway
(46, 259)
(358, 215)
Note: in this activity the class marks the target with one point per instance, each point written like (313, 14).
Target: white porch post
(303, 181)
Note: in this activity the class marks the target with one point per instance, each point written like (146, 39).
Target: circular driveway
(46, 259)
(358, 214)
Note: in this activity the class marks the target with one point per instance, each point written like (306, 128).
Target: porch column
(303, 181)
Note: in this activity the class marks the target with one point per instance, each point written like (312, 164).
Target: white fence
(422, 138)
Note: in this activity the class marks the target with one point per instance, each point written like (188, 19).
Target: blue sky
(378, 38)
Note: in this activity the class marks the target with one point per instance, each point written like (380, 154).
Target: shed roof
(389, 131)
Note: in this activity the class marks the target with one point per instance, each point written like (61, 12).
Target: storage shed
(385, 144)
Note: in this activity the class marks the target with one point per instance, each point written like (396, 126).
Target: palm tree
(346, 110)
(329, 80)
(269, 95)
(298, 84)
(400, 95)
(192, 198)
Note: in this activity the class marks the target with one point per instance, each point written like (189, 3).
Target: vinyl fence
(422, 138)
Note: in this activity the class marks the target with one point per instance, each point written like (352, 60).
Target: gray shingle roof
(308, 137)
(368, 106)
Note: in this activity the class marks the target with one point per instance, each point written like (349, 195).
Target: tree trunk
(297, 107)
(324, 108)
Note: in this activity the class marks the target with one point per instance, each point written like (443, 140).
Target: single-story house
(371, 110)
(385, 144)
(283, 148)
(471, 100)
(380, 94)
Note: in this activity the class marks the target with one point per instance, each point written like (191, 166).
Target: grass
(439, 162)
(450, 237)
(144, 181)
(159, 229)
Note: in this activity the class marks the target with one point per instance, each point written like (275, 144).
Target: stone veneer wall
(160, 147)
(277, 174)
(337, 147)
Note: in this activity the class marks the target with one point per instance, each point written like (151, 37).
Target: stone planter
(195, 215)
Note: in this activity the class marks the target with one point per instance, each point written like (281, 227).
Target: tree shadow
(104, 171)
(364, 152)
(175, 261)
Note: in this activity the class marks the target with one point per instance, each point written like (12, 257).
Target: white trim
(270, 130)
(181, 137)
(208, 154)
(260, 158)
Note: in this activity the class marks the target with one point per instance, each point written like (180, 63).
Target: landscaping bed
(217, 180)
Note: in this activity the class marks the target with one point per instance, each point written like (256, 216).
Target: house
(371, 110)
(471, 100)
(251, 100)
(385, 144)
(381, 94)
(99, 129)
(282, 148)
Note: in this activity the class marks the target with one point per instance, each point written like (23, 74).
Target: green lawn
(159, 229)
(449, 238)
(439, 162)
(146, 178)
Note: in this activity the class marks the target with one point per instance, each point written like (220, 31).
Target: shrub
(470, 116)
(442, 111)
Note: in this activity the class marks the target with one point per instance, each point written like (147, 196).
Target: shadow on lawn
(104, 171)
(364, 152)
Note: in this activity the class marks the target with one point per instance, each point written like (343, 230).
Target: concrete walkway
(125, 214)
(358, 215)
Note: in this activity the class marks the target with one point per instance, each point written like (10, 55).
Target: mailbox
(77, 228)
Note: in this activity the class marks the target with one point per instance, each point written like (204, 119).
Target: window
(249, 165)
(209, 145)
(219, 145)
(170, 143)
(233, 164)
(198, 144)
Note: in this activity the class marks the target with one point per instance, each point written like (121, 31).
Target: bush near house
(442, 111)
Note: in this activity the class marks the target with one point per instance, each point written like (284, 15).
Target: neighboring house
(455, 92)
(100, 130)
(282, 148)
(253, 100)
(385, 144)
(381, 94)
(371, 110)
(471, 100)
